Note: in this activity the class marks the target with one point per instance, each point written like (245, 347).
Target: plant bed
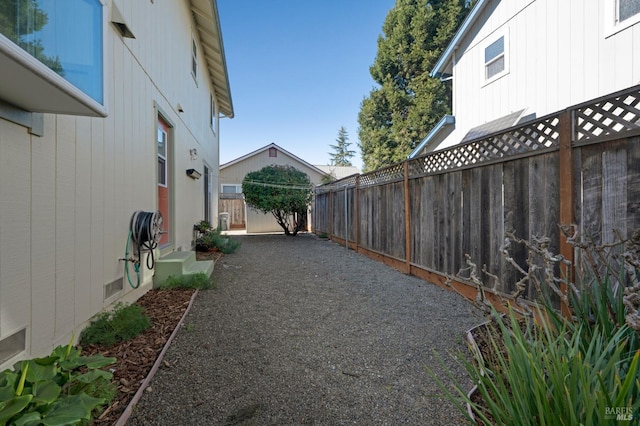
(136, 357)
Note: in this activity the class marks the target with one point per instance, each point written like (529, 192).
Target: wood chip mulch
(136, 357)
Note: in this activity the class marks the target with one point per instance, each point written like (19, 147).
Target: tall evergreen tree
(342, 155)
(397, 115)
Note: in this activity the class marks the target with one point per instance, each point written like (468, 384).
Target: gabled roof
(205, 14)
(266, 148)
(439, 70)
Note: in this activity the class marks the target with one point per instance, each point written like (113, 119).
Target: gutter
(445, 121)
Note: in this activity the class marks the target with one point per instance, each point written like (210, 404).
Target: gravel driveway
(300, 331)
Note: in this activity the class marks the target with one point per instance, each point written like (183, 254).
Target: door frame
(159, 114)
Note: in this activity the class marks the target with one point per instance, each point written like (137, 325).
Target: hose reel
(145, 231)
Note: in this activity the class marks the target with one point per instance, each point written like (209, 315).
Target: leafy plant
(213, 239)
(579, 369)
(198, 281)
(62, 389)
(124, 322)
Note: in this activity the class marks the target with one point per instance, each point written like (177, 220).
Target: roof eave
(207, 22)
(445, 121)
(438, 70)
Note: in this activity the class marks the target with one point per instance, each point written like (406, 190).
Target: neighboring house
(232, 174)
(513, 61)
(131, 109)
(339, 172)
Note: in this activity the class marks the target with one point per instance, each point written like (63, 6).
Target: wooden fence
(578, 166)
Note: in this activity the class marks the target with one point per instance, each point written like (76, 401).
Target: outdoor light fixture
(194, 174)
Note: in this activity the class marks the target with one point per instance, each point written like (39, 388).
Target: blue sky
(298, 71)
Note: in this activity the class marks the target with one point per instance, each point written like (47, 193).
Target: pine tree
(397, 115)
(342, 154)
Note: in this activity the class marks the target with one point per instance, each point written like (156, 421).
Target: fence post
(566, 196)
(356, 221)
(330, 218)
(407, 219)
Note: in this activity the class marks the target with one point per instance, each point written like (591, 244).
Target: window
(620, 14)
(273, 152)
(214, 115)
(494, 61)
(194, 58)
(231, 189)
(162, 157)
(66, 38)
(627, 9)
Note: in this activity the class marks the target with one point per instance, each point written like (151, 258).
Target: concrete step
(178, 264)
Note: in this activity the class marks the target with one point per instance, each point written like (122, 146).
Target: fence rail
(578, 166)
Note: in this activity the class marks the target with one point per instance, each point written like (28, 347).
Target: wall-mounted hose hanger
(145, 231)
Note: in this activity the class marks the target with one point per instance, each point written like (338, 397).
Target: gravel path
(300, 331)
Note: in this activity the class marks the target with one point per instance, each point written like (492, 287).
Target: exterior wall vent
(113, 288)
(12, 345)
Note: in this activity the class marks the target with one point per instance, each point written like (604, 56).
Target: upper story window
(194, 58)
(627, 9)
(66, 40)
(620, 14)
(496, 60)
(273, 152)
(214, 114)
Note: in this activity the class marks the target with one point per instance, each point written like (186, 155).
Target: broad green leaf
(31, 418)
(12, 407)
(39, 373)
(45, 392)
(8, 381)
(93, 375)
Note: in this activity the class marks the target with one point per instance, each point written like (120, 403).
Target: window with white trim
(162, 157)
(194, 58)
(214, 115)
(619, 15)
(65, 38)
(494, 59)
(228, 188)
(627, 9)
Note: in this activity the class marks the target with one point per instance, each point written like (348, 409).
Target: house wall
(66, 198)
(560, 53)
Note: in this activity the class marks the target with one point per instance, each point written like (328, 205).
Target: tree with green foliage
(342, 155)
(21, 18)
(396, 116)
(283, 191)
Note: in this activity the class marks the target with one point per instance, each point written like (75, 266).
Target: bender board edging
(127, 412)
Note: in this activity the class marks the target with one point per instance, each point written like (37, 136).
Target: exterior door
(164, 186)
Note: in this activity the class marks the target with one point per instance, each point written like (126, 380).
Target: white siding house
(133, 104)
(232, 174)
(516, 60)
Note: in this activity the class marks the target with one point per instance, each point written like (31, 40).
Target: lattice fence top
(613, 116)
(387, 174)
(608, 118)
(533, 136)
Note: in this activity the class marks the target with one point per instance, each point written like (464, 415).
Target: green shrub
(213, 239)
(199, 281)
(64, 388)
(123, 323)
